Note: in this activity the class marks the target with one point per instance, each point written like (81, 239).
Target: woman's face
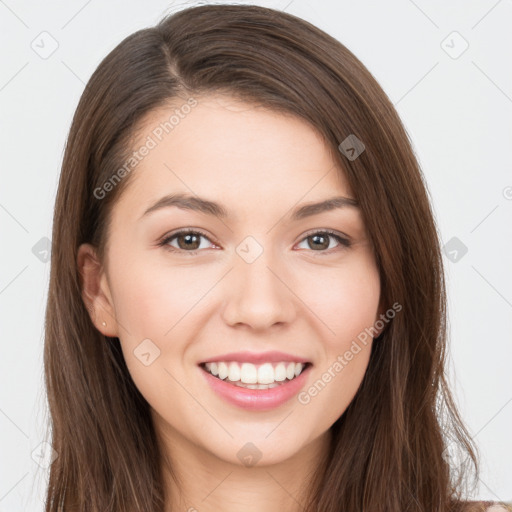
(254, 288)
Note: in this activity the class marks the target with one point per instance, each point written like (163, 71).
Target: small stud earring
(104, 323)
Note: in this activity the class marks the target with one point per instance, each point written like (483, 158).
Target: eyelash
(344, 242)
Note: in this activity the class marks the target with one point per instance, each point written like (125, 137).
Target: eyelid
(325, 230)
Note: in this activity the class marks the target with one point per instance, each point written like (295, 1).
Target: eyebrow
(212, 208)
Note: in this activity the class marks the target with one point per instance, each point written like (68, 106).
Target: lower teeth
(254, 386)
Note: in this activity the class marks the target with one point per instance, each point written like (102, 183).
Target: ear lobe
(95, 290)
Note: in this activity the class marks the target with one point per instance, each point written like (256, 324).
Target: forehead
(225, 148)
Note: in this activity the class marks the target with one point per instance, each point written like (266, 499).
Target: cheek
(335, 386)
(348, 300)
(151, 299)
(157, 303)
(344, 298)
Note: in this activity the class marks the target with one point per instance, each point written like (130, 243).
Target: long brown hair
(389, 447)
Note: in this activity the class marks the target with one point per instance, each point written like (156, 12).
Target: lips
(258, 382)
(257, 399)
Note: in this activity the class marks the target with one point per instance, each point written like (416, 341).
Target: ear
(96, 291)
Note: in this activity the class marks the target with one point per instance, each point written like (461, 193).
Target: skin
(296, 298)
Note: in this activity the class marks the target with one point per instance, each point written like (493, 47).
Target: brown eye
(320, 241)
(187, 242)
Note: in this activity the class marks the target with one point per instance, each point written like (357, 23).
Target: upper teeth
(250, 373)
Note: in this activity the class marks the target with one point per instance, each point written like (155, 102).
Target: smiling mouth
(251, 376)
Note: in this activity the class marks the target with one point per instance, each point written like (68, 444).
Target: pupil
(188, 237)
(324, 245)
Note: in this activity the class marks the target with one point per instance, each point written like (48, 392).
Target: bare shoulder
(499, 507)
(486, 506)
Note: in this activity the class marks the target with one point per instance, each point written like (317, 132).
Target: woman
(247, 304)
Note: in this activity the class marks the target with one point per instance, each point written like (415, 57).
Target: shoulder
(487, 506)
(499, 507)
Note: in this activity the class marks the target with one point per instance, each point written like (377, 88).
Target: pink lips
(256, 399)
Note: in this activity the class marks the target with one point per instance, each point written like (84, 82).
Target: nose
(259, 294)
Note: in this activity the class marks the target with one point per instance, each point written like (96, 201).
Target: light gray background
(456, 109)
